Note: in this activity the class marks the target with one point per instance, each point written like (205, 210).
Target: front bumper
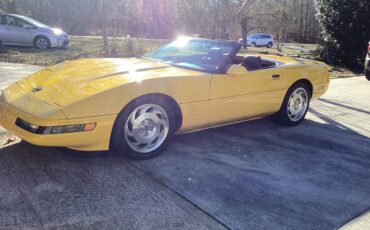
(95, 140)
(59, 41)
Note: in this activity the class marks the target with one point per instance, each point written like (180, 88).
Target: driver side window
(13, 21)
(10, 21)
(22, 23)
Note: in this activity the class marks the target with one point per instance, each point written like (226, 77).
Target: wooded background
(164, 19)
(341, 27)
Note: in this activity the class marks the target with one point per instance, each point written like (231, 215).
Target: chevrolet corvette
(135, 105)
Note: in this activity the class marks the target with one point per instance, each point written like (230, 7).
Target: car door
(18, 31)
(259, 40)
(2, 28)
(241, 94)
(264, 40)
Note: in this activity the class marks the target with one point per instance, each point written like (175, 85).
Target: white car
(24, 31)
(255, 40)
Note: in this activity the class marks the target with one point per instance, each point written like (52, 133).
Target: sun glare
(181, 41)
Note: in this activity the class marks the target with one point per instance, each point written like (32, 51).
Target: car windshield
(196, 54)
(34, 22)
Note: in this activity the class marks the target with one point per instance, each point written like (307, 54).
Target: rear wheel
(295, 105)
(253, 44)
(269, 45)
(143, 129)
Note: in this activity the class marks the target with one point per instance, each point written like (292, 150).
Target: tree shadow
(343, 106)
(293, 171)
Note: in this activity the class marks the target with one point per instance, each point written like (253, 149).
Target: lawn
(92, 47)
(80, 47)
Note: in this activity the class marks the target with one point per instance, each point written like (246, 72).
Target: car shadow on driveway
(255, 175)
(260, 175)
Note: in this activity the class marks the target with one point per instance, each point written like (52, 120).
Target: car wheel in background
(143, 129)
(41, 42)
(253, 44)
(295, 105)
(367, 74)
(269, 45)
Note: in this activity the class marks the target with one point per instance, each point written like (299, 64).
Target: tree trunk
(244, 24)
(301, 23)
(103, 23)
(307, 21)
(11, 8)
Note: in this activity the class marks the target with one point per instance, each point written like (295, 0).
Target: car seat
(252, 63)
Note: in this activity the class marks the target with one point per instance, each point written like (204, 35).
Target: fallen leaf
(10, 140)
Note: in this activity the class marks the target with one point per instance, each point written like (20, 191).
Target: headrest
(252, 63)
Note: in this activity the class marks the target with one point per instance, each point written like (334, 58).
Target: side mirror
(236, 70)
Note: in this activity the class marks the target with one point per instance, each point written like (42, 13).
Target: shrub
(345, 29)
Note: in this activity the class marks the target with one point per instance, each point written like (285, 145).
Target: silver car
(25, 31)
(255, 40)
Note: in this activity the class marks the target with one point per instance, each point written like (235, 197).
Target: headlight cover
(57, 31)
(50, 130)
(64, 129)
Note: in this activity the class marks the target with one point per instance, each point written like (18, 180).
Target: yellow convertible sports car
(135, 105)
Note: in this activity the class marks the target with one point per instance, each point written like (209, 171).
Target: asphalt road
(253, 175)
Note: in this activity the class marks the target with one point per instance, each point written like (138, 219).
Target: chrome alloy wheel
(297, 104)
(42, 43)
(146, 128)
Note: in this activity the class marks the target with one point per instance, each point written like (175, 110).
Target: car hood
(69, 82)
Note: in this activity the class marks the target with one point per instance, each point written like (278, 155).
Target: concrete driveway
(253, 175)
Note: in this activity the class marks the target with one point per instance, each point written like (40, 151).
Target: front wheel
(367, 74)
(143, 129)
(41, 43)
(295, 105)
(269, 45)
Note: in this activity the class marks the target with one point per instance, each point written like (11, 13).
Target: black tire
(41, 38)
(253, 44)
(367, 74)
(269, 45)
(282, 116)
(119, 141)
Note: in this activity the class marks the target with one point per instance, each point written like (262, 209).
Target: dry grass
(290, 49)
(92, 47)
(302, 51)
(80, 47)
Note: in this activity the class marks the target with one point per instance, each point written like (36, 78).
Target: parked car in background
(24, 31)
(255, 40)
(367, 64)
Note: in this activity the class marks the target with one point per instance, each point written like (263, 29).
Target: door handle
(276, 76)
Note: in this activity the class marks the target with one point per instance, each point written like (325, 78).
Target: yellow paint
(96, 90)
